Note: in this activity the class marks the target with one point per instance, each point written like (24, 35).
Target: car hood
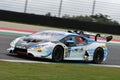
(26, 42)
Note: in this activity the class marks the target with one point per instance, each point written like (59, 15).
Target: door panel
(76, 52)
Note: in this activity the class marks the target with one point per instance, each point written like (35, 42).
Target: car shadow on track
(49, 60)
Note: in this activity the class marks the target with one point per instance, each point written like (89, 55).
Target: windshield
(48, 35)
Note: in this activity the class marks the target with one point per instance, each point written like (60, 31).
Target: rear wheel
(98, 56)
(58, 54)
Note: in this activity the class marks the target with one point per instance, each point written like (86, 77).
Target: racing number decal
(75, 52)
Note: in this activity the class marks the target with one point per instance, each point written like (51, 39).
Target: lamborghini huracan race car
(59, 45)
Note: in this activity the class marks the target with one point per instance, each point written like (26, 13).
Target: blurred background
(75, 9)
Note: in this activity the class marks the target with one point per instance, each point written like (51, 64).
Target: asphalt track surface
(112, 59)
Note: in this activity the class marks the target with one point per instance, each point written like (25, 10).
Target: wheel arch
(99, 48)
(54, 52)
(96, 52)
(58, 46)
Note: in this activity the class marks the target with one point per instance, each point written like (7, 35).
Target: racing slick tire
(98, 56)
(58, 54)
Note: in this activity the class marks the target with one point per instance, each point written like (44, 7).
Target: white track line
(27, 61)
(116, 66)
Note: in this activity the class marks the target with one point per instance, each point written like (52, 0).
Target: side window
(70, 38)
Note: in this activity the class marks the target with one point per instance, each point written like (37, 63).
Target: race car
(60, 45)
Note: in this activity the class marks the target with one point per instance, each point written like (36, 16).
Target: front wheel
(58, 54)
(98, 56)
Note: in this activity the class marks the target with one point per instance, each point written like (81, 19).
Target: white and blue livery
(59, 45)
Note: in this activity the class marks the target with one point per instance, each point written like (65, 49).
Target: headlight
(13, 43)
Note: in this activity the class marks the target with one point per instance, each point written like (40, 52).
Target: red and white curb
(19, 31)
(10, 30)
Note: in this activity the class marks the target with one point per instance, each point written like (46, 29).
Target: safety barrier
(58, 22)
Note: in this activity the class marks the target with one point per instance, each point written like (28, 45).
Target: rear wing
(89, 34)
(107, 38)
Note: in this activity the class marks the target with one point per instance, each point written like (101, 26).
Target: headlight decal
(103, 47)
(38, 49)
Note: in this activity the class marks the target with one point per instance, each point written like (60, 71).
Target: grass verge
(35, 71)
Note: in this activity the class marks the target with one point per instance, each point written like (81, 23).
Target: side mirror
(109, 38)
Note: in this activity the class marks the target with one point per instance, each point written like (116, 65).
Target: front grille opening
(20, 51)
